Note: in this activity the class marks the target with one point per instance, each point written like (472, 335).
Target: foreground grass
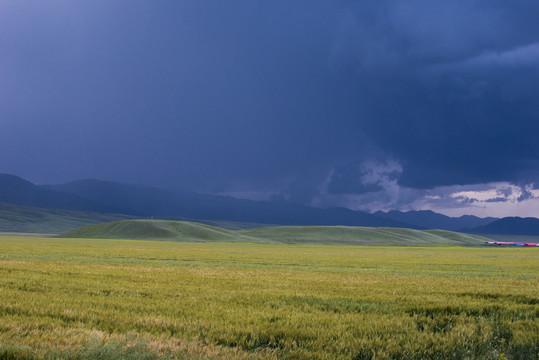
(101, 299)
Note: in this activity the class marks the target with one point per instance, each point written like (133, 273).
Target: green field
(345, 235)
(101, 299)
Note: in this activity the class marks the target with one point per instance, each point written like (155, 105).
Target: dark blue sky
(370, 105)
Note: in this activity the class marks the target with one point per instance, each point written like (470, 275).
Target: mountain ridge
(18, 191)
(150, 201)
(512, 225)
(432, 220)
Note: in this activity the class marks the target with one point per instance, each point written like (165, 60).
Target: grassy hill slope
(363, 236)
(459, 239)
(158, 230)
(25, 219)
(190, 231)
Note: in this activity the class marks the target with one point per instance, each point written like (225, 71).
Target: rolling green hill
(191, 231)
(158, 230)
(25, 219)
(364, 236)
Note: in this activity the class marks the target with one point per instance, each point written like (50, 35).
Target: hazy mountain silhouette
(508, 226)
(150, 201)
(146, 201)
(432, 220)
(15, 190)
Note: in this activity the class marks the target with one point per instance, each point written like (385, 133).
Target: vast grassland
(81, 298)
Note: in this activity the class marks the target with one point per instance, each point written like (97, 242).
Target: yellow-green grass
(87, 298)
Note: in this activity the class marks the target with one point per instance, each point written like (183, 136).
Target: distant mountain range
(431, 220)
(145, 201)
(509, 226)
(98, 196)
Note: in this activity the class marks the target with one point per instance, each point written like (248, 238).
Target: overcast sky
(365, 104)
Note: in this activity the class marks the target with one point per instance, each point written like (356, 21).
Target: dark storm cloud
(450, 87)
(295, 99)
(498, 199)
(527, 192)
(205, 94)
(365, 178)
